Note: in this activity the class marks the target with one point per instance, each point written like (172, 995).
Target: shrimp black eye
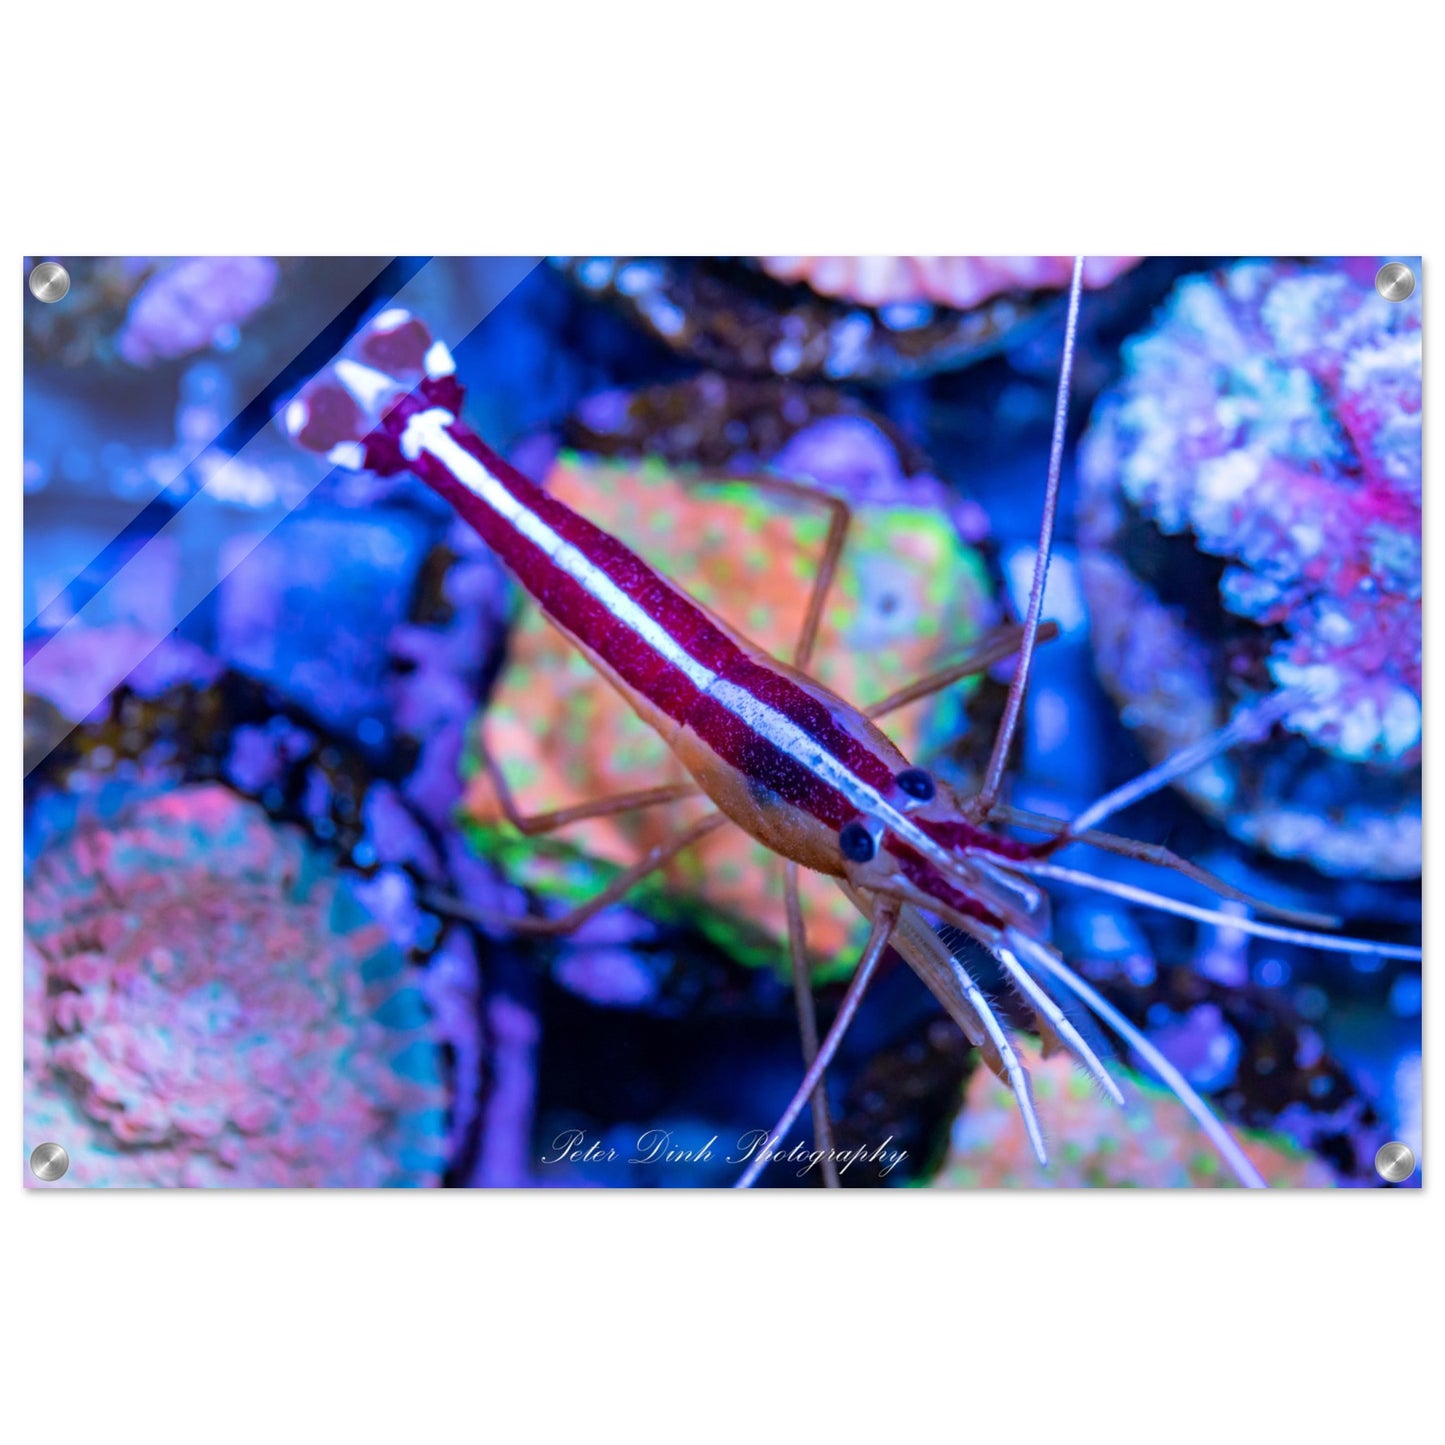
(917, 783)
(856, 842)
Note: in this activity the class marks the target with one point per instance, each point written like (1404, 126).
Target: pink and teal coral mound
(1272, 421)
(208, 1004)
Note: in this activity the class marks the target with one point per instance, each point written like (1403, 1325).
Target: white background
(624, 128)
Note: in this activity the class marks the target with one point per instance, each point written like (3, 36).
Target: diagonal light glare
(325, 303)
(196, 519)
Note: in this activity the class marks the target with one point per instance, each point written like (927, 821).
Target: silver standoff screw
(49, 1162)
(1395, 1162)
(1395, 281)
(49, 282)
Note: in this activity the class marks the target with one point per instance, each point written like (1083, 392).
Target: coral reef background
(252, 689)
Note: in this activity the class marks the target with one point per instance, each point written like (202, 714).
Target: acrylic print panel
(337, 569)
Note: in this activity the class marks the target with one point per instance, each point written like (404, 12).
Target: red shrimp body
(785, 759)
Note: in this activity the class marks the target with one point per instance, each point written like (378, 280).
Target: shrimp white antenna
(1061, 1022)
(1248, 726)
(1306, 938)
(1018, 1076)
(1219, 1136)
(1003, 743)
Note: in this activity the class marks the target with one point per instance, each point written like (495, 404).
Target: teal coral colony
(207, 1004)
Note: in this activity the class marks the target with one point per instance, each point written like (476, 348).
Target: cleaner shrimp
(811, 776)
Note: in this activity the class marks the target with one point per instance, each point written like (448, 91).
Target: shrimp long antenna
(1158, 856)
(1221, 1138)
(1248, 726)
(1003, 743)
(1306, 938)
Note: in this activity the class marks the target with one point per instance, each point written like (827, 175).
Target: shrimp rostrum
(806, 773)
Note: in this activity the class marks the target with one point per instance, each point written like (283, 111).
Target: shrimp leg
(808, 1019)
(536, 824)
(1002, 642)
(840, 520)
(884, 917)
(622, 884)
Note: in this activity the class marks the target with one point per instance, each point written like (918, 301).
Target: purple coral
(206, 1005)
(851, 455)
(195, 303)
(439, 665)
(1271, 421)
(73, 668)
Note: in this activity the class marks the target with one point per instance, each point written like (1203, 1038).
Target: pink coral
(204, 1005)
(957, 281)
